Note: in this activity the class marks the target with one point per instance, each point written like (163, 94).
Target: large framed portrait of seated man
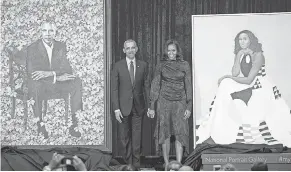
(54, 73)
(241, 78)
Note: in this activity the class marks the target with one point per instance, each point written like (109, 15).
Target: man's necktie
(131, 72)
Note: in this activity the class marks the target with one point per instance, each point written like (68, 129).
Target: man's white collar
(128, 60)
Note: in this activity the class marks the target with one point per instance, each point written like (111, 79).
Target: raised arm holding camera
(65, 163)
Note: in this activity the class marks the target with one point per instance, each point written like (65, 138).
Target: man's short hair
(54, 26)
(129, 40)
(259, 166)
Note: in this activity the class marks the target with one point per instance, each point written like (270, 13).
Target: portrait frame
(107, 134)
(219, 47)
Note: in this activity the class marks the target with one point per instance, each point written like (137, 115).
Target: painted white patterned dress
(251, 114)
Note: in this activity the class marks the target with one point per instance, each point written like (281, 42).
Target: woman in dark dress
(248, 107)
(171, 89)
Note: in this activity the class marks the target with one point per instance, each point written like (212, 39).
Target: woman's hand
(151, 113)
(187, 114)
(246, 51)
(225, 76)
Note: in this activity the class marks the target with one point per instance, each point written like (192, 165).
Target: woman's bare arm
(258, 62)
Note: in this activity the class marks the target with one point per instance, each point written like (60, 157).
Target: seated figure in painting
(248, 107)
(50, 72)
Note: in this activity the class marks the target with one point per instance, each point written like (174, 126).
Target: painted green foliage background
(80, 25)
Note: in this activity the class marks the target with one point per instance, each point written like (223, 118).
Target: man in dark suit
(130, 93)
(49, 72)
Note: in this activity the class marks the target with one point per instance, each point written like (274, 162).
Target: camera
(67, 164)
(67, 161)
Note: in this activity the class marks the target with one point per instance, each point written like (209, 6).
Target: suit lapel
(137, 72)
(43, 53)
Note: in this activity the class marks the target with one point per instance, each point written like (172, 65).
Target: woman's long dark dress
(172, 90)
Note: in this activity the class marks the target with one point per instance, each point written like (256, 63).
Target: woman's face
(172, 52)
(244, 40)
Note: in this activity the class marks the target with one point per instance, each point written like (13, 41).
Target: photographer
(61, 163)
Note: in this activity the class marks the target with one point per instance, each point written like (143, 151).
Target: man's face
(130, 49)
(48, 33)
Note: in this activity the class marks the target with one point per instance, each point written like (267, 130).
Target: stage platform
(275, 161)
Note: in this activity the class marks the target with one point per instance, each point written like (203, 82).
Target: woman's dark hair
(179, 50)
(254, 42)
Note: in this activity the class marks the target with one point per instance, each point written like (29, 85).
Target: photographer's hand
(56, 160)
(78, 164)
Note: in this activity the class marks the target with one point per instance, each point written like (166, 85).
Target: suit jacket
(38, 60)
(123, 93)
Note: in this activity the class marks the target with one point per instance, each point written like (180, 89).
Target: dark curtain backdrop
(151, 22)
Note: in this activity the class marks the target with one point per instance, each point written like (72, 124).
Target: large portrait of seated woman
(241, 78)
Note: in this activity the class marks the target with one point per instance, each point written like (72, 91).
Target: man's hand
(118, 116)
(37, 75)
(55, 161)
(65, 77)
(151, 113)
(78, 164)
(187, 114)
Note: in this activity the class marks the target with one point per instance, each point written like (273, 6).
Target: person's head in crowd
(259, 166)
(186, 168)
(128, 167)
(60, 162)
(228, 167)
(173, 166)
